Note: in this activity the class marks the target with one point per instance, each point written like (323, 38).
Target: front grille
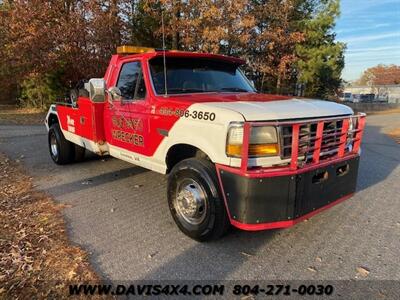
(315, 140)
(330, 142)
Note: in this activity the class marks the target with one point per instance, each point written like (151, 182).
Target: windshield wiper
(234, 89)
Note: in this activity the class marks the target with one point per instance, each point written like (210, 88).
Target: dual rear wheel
(61, 150)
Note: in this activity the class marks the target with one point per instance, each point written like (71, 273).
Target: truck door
(127, 119)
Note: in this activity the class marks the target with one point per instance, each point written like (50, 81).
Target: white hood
(284, 109)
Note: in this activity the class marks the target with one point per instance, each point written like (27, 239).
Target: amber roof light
(133, 49)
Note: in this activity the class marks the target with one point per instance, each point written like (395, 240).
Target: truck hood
(283, 109)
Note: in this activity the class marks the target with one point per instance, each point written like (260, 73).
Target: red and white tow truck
(233, 156)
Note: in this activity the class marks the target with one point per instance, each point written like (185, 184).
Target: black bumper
(289, 197)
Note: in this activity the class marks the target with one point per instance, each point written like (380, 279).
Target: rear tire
(61, 151)
(195, 200)
(79, 153)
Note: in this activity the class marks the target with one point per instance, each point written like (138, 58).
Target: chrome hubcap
(191, 202)
(53, 145)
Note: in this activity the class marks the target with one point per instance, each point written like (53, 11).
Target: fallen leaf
(246, 254)
(71, 274)
(312, 269)
(153, 254)
(362, 271)
(249, 297)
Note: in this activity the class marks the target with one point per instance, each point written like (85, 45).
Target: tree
(321, 58)
(144, 23)
(380, 75)
(8, 83)
(271, 49)
(58, 42)
(216, 26)
(69, 39)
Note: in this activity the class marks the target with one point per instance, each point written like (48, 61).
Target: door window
(131, 81)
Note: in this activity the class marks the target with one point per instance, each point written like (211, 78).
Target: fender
(52, 113)
(196, 133)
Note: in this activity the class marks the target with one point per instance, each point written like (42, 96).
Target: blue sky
(371, 30)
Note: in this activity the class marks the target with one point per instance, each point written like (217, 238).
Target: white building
(389, 93)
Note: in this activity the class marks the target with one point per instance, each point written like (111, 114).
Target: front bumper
(282, 199)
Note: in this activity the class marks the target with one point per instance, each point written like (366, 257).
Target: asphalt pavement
(118, 213)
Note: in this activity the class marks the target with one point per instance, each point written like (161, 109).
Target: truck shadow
(90, 182)
(216, 260)
(379, 157)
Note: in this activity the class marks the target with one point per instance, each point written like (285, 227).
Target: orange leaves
(220, 26)
(272, 44)
(381, 75)
(34, 249)
(77, 36)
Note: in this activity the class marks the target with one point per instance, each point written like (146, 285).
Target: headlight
(263, 141)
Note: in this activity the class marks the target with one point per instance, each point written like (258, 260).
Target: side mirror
(115, 94)
(97, 89)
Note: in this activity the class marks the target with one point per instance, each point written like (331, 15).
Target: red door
(127, 120)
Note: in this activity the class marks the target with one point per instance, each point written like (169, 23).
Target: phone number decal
(284, 290)
(185, 113)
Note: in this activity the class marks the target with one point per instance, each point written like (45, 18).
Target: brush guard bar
(320, 172)
(345, 141)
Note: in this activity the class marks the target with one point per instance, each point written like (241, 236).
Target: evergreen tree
(144, 24)
(321, 58)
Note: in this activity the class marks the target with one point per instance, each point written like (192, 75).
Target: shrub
(40, 91)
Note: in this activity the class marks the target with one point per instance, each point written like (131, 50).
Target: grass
(21, 116)
(36, 258)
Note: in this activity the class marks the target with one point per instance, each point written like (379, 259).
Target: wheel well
(180, 152)
(53, 119)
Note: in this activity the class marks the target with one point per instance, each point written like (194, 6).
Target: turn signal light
(254, 150)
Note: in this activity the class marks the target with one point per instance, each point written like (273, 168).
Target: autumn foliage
(381, 75)
(49, 45)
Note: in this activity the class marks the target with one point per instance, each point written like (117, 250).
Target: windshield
(197, 75)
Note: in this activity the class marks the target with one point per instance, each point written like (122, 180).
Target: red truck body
(160, 130)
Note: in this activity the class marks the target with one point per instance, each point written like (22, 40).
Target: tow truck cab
(233, 156)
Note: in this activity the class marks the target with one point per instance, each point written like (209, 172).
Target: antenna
(163, 45)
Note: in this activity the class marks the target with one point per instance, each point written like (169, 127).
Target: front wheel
(194, 200)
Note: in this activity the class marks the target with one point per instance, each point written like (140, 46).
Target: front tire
(61, 151)
(194, 200)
